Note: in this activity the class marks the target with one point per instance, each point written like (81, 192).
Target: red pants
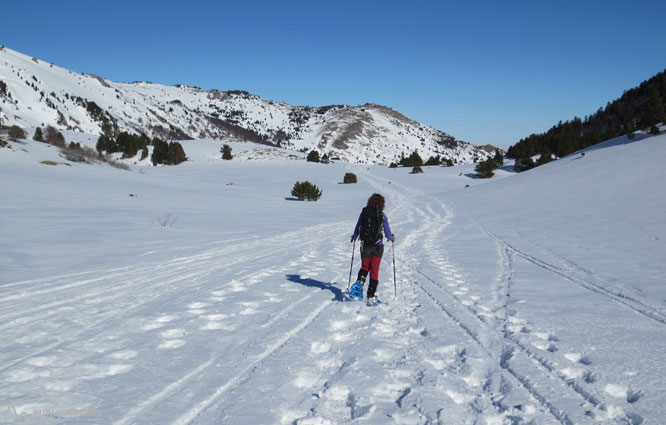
(371, 258)
(371, 265)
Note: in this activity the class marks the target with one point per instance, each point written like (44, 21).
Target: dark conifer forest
(640, 108)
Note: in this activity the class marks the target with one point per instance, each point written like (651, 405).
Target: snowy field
(204, 294)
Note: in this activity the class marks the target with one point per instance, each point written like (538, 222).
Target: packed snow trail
(576, 398)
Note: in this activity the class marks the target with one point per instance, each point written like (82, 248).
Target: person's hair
(377, 201)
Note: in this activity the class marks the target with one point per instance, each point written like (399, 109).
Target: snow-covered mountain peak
(35, 93)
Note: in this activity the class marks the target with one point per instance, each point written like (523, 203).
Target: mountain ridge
(35, 93)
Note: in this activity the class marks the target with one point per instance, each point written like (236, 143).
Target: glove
(352, 239)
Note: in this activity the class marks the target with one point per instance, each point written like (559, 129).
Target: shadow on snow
(324, 286)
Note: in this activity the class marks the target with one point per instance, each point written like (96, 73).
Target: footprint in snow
(215, 322)
(236, 286)
(172, 333)
(123, 355)
(160, 322)
(545, 346)
(171, 344)
(320, 347)
(249, 308)
(572, 373)
(620, 391)
(578, 358)
(171, 340)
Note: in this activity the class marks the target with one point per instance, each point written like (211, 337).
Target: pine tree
(630, 129)
(160, 151)
(523, 164)
(546, 157)
(313, 156)
(485, 169)
(176, 154)
(226, 152)
(654, 112)
(306, 191)
(499, 158)
(39, 135)
(105, 144)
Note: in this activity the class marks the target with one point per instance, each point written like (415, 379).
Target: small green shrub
(350, 178)
(417, 170)
(313, 156)
(393, 165)
(306, 191)
(226, 152)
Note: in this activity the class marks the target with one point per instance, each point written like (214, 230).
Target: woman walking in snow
(369, 226)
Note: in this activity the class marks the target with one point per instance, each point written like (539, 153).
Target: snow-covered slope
(34, 93)
(203, 294)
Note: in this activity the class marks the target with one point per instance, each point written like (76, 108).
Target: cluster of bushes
(313, 156)
(486, 169)
(76, 153)
(129, 145)
(170, 153)
(438, 160)
(73, 152)
(413, 160)
(15, 132)
(51, 136)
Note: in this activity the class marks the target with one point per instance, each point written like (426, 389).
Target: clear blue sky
(482, 71)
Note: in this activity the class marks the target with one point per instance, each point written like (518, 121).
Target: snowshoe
(356, 291)
(373, 302)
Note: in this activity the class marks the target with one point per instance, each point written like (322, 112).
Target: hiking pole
(395, 287)
(352, 265)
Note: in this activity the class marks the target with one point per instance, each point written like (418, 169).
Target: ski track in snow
(542, 348)
(174, 271)
(164, 276)
(443, 342)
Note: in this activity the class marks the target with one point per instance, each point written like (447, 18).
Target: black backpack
(371, 226)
